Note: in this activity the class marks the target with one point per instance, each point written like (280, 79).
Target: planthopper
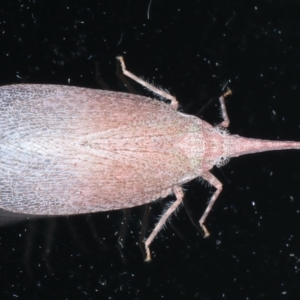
(68, 150)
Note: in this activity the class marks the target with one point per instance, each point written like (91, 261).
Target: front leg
(225, 122)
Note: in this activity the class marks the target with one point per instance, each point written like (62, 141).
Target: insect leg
(153, 89)
(179, 196)
(210, 178)
(144, 229)
(225, 122)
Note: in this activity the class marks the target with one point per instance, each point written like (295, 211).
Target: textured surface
(67, 150)
(191, 48)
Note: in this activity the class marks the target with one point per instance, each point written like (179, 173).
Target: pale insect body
(75, 150)
(68, 150)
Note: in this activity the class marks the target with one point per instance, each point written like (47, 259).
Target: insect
(68, 150)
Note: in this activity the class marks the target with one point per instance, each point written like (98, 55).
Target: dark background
(191, 48)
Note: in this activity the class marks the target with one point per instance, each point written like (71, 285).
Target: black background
(191, 48)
